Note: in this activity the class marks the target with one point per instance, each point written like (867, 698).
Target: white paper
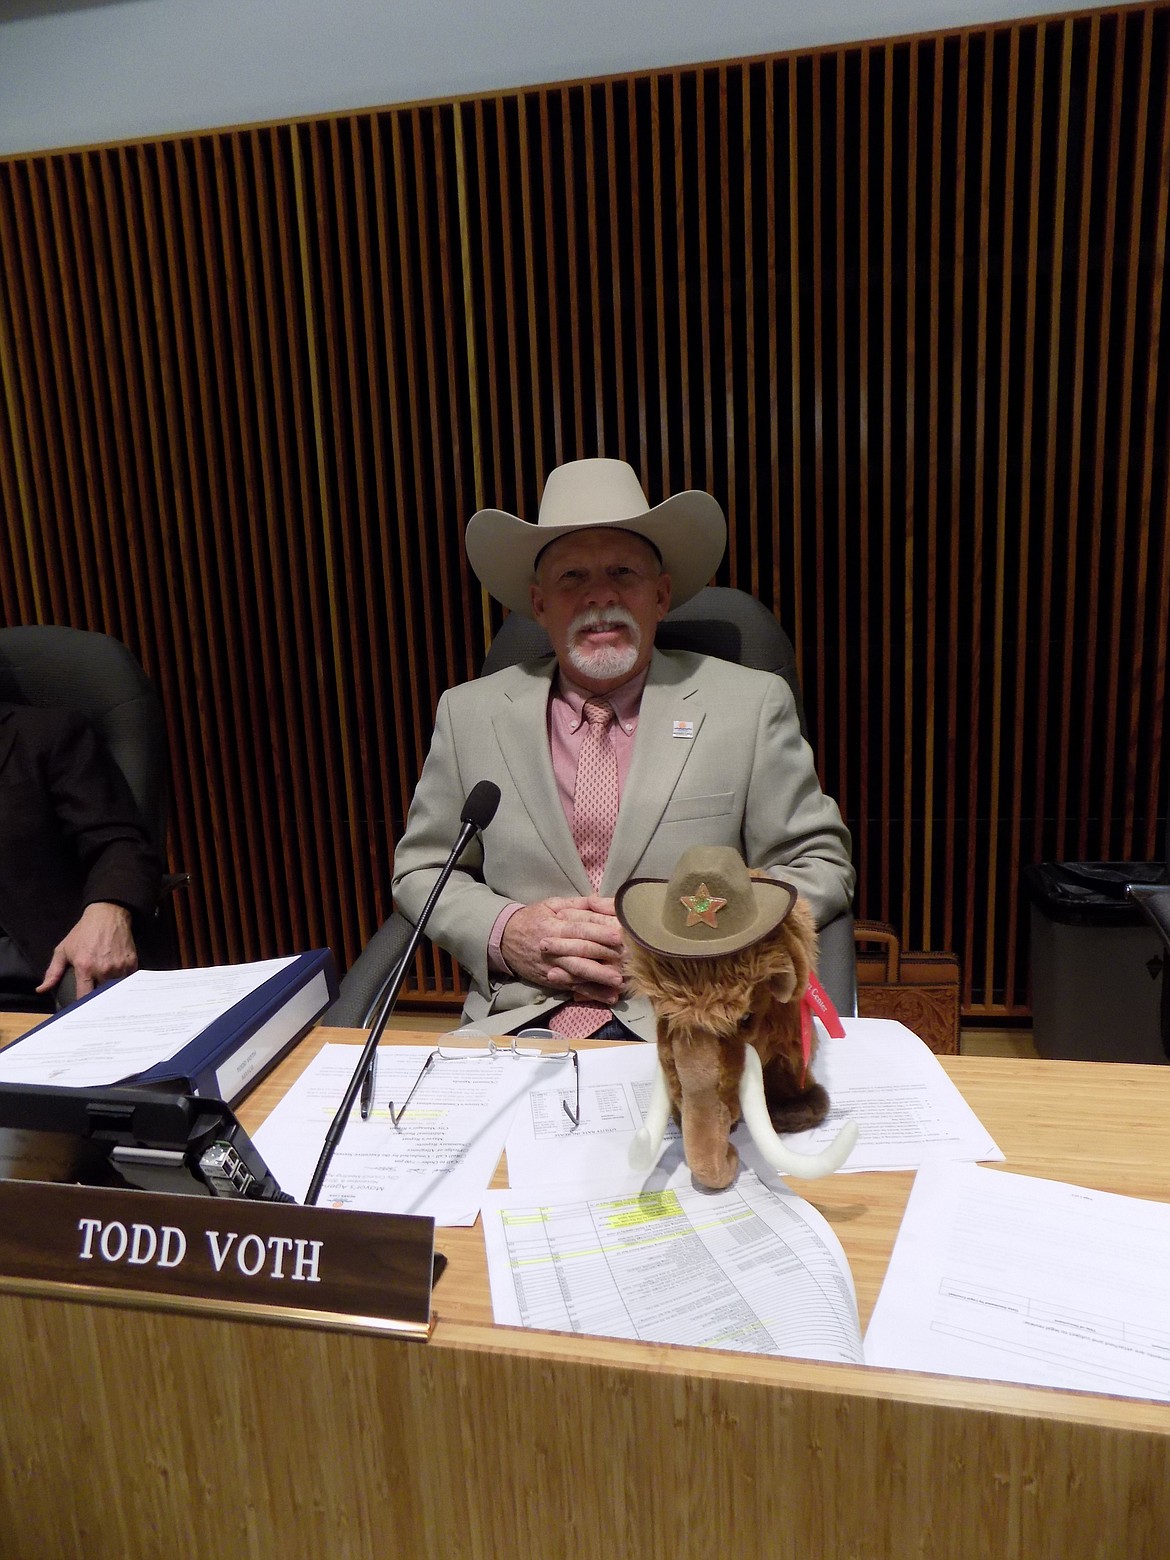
(139, 1022)
(881, 1075)
(1012, 1278)
(543, 1145)
(437, 1161)
(752, 1269)
(907, 1110)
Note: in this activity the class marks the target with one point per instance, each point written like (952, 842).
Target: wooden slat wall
(899, 306)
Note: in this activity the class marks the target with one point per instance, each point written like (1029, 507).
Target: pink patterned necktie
(595, 810)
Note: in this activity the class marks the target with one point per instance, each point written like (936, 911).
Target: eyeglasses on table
(536, 1050)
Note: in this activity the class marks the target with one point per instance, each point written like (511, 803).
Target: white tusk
(647, 1143)
(755, 1114)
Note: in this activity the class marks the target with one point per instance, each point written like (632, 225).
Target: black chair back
(1154, 900)
(96, 675)
(718, 621)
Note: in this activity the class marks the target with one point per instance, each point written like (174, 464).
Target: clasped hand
(570, 945)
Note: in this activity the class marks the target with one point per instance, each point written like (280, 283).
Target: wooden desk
(14, 1024)
(130, 1432)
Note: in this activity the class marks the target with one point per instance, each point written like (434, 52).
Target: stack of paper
(993, 1276)
(215, 1031)
(1012, 1278)
(580, 1245)
(440, 1157)
(753, 1268)
(880, 1075)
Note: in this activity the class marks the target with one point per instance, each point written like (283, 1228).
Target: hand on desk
(569, 945)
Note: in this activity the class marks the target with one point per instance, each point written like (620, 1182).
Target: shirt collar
(626, 698)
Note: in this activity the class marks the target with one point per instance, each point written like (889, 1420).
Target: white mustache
(605, 617)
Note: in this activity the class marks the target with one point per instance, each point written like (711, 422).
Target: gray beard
(604, 663)
(607, 661)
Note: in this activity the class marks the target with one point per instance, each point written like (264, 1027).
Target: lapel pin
(684, 729)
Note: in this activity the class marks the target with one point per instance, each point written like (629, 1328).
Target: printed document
(880, 1075)
(907, 1110)
(544, 1145)
(753, 1268)
(136, 1024)
(440, 1157)
(1011, 1278)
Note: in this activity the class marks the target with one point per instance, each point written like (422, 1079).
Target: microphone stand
(338, 1124)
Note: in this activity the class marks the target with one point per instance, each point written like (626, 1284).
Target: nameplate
(263, 1260)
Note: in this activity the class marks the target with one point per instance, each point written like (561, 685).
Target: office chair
(360, 991)
(1154, 900)
(718, 621)
(98, 677)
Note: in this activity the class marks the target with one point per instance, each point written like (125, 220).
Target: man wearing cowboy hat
(612, 758)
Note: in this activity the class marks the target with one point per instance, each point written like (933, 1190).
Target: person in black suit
(78, 873)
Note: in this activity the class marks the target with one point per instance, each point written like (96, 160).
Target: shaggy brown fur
(708, 1011)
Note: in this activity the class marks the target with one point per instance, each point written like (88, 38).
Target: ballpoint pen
(368, 1087)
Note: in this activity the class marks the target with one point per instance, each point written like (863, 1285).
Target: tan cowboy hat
(688, 530)
(710, 906)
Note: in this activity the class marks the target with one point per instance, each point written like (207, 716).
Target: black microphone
(480, 807)
(478, 811)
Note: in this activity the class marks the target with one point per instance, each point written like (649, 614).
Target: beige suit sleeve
(462, 920)
(790, 825)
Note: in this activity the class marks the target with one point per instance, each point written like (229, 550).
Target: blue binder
(230, 1056)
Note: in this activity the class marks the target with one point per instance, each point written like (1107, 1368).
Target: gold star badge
(702, 905)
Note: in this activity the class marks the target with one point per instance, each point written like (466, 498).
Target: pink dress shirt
(566, 732)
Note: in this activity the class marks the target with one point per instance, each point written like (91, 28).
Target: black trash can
(1096, 962)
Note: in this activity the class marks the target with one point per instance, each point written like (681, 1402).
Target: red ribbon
(816, 1001)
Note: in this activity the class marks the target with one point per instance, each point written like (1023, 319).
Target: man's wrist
(497, 963)
(124, 912)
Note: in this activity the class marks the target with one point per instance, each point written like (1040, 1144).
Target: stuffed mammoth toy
(724, 957)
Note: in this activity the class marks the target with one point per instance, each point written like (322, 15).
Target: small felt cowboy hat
(710, 906)
(688, 531)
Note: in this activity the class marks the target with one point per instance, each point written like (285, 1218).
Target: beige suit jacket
(718, 760)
